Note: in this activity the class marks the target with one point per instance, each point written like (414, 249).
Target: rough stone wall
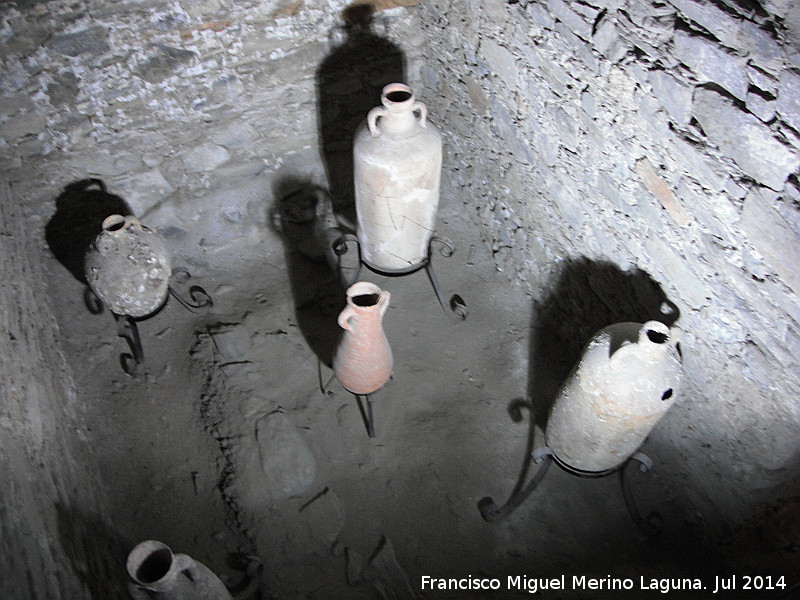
(53, 540)
(660, 136)
(166, 100)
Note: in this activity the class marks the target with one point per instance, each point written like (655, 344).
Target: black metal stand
(127, 327)
(199, 297)
(544, 457)
(365, 408)
(455, 307)
(128, 330)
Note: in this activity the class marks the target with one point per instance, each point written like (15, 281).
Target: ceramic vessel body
(628, 377)
(128, 267)
(397, 159)
(156, 573)
(363, 359)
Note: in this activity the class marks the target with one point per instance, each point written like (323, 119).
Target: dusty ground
(234, 390)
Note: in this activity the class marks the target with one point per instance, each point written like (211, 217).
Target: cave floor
(181, 460)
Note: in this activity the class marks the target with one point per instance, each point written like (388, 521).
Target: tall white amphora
(397, 157)
(626, 380)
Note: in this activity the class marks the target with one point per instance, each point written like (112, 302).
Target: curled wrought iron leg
(199, 298)
(489, 509)
(366, 413)
(92, 302)
(127, 329)
(339, 247)
(251, 568)
(650, 526)
(458, 309)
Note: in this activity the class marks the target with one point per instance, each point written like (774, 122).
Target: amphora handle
(345, 316)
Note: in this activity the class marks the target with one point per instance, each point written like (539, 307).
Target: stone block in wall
(580, 47)
(504, 124)
(698, 165)
(692, 289)
(744, 139)
(761, 107)
(235, 134)
(579, 25)
(712, 64)
(93, 40)
(201, 8)
(501, 61)
(608, 42)
(205, 157)
(164, 61)
(22, 124)
(764, 51)
(567, 202)
(788, 102)
(772, 237)
(539, 15)
(714, 20)
(762, 81)
(674, 96)
(656, 185)
(146, 189)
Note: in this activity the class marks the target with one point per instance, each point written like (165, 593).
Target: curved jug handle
(184, 563)
(383, 302)
(344, 318)
(423, 113)
(372, 119)
(133, 222)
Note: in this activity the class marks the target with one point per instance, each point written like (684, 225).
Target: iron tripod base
(544, 456)
(365, 408)
(455, 307)
(127, 328)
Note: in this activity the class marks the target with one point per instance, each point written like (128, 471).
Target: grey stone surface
(501, 61)
(286, 460)
(764, 50)
(788, 102)
(93, 40)
(711, 63)
(22, 124)
(206, 157)
(743, 138)
(578, 24)
(674, 96)
(761, 107)
(712, 19)
(164, 61)
(772, 237)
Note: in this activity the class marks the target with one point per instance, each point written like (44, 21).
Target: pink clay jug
(363, 360)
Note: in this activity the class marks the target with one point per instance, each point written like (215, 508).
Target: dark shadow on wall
(349, 85)
(317, 288)
(95, 551)
(80, 211)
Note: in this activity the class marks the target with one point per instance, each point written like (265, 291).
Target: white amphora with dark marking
(128, 267)
(397, 157)
(628, 377)
(156, 573)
